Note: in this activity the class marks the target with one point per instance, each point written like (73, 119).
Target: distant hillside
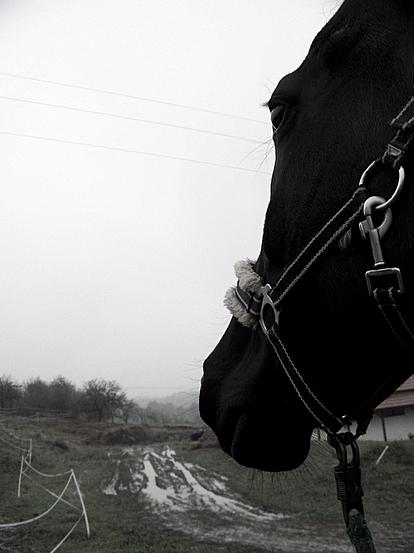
(177, 408)
(182, 399)
(178, 399)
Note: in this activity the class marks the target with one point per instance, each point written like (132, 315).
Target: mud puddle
(189, 498)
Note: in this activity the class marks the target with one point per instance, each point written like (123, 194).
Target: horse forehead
(363, 42)
(373, 22)
(374, 7)
(386, 13)
(312, 175)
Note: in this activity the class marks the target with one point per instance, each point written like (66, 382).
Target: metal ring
(397, 191)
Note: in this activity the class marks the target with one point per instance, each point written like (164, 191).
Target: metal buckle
(389, 277)
(267, 302)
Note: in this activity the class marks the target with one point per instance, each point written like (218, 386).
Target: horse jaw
(243, 399)
(263, 447)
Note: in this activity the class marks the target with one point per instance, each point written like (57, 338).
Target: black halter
(385, 284)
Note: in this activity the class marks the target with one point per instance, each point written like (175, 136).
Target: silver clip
(375, 233)
(267, 303)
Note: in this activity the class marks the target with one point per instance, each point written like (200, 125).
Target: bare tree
(103, 398)
(130, 409)
(63, 395)
(10, 392)
(36, 394)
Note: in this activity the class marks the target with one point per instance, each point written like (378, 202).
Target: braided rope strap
(359, 533)
(348, 478)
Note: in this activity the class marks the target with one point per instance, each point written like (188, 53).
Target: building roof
(402, 397)
(408, 384)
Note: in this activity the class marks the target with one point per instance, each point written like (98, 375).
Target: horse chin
(256, 445)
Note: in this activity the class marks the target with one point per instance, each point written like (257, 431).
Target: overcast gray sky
(114, 264)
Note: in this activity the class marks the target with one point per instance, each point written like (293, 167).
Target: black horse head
(331, 120)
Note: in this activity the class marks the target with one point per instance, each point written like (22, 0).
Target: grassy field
(127, 519)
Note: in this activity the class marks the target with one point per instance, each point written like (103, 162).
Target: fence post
(30, 450)
(19, 485)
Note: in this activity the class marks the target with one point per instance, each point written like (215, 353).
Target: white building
(394, 417)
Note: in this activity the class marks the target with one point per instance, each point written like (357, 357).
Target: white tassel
(237, 309)
(249, 281)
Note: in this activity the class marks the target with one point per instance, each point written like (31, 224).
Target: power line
(163, 388)
(130, 96)
(130, 151)
(129, 118)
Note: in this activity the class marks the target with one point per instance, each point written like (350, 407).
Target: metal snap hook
(372, 204)
(369, 229)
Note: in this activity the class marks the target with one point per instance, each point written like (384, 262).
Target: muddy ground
(152, 490)
(188, 497)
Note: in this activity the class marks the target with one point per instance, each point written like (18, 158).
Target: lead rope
(350, 492)
(359, 533)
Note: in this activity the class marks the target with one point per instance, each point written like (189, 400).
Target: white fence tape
(29, 453)
(85, 514)
(19, 482)
(71, 473)
(50, 492)
(25, 466)
(67, 535)
(45, 474)
(59, 498)
(42, 515)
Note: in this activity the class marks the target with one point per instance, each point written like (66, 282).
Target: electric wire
(131, 151)
(162, 388)
(130, 96)
(128, 118)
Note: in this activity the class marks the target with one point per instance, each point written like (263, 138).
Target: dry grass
(124, 523)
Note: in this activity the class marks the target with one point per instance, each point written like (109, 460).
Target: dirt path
(188, 498)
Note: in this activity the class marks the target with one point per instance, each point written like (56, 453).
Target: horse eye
(277, 115)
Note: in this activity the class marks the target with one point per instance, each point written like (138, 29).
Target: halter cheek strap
(266, 301)
(251, 303)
